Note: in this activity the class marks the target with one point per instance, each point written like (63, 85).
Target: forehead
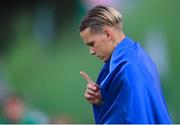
(86, 34)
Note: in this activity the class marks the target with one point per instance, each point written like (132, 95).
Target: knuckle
(89, 86)
(97, 94)
(88, 92)
(86, 95)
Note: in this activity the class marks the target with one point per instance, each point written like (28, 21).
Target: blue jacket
(130, 88)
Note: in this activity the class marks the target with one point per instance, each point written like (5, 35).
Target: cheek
(101, 46)
(107, 50)
(99, 49)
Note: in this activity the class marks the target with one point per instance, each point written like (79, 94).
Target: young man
(128, 87)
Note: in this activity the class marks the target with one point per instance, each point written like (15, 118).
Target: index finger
(86, 77)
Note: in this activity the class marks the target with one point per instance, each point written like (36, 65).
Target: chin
(104, 60)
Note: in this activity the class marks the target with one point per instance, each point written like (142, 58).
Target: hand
(92, 93)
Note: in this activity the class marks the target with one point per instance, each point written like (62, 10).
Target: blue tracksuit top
(130, 88)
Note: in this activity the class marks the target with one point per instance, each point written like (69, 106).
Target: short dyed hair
(100, 16)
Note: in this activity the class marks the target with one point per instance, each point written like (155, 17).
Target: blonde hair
(100, 16)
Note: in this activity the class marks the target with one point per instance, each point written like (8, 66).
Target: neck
(122, 36)
(119, 38)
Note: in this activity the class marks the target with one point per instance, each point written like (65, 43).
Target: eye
(91, 44)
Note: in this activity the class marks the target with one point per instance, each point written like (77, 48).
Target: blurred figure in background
(14, 111)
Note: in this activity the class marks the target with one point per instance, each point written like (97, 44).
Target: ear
(108, 34)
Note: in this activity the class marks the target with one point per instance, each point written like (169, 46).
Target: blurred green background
(41, 52)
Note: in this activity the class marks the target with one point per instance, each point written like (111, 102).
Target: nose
(92, 51)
